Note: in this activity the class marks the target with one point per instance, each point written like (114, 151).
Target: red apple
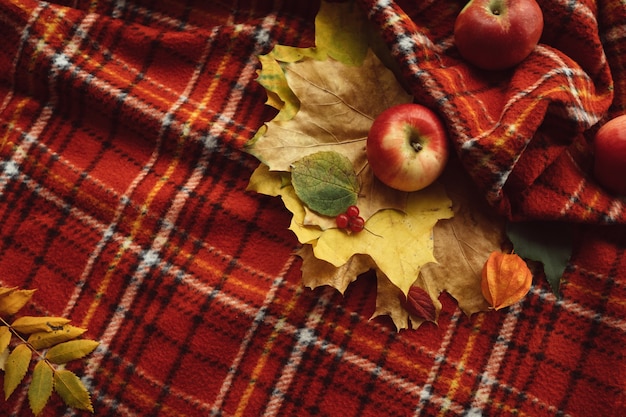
(407, 147)
(610, 155)
(498, 34)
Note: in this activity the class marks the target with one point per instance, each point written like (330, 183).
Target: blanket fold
(525, 134)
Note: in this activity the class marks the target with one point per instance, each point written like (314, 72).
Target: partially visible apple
(498, 34)
(610, 155)
(407, 147)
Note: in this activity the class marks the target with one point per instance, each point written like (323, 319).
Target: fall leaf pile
(313, 157)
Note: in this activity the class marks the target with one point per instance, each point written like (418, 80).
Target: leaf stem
(27, 343)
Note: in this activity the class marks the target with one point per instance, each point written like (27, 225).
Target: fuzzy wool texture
(123, 200)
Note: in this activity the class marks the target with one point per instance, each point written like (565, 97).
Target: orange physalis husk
(506, 279)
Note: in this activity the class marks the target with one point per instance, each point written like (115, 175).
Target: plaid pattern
(122, 199)
(519, 134)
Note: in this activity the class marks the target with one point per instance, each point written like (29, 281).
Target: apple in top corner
(610, 155)
(498, 34)
(407, 147)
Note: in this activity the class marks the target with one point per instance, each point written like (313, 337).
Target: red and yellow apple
(498, 34)
(610, 155)
(407, 147)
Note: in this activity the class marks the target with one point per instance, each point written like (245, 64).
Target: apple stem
(495, 7)
(417, 146)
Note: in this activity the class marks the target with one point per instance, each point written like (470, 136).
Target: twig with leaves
(49, 342)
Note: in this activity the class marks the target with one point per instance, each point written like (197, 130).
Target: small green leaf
(31, 324)
(71, 390)
(43, 340)
(547, 242)
(12, 301)
(325, 182)
(15, 368)
(69, 351)
(40, 387)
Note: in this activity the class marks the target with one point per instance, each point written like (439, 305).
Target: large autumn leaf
(337, 105)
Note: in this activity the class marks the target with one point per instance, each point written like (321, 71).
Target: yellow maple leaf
(399, 243)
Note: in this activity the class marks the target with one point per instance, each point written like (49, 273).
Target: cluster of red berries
(350, 220)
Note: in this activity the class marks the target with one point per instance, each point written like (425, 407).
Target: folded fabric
(123, 202)
(523, 134)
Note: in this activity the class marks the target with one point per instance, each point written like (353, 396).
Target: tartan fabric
(520, 133)
(122, 199)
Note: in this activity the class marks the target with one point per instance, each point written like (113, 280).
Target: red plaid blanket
(122, 199)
